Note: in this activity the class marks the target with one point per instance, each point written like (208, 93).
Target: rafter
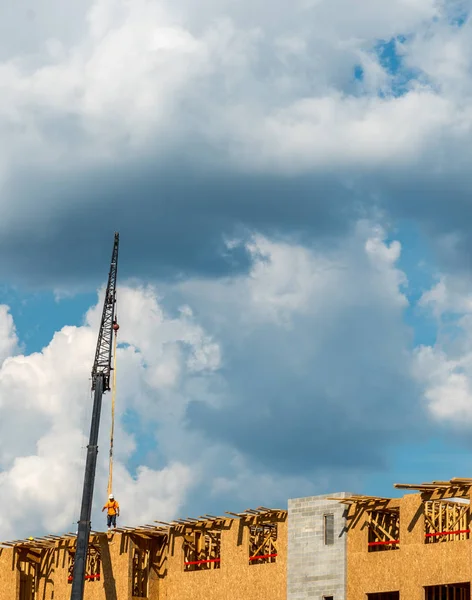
(457, 487)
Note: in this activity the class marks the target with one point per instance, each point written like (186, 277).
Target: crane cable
(112, 431)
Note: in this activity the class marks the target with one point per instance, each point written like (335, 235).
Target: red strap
(436, 533)
(201, 562)
(384, 543)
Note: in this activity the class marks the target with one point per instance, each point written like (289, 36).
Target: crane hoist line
(113, 400)
(101, 373)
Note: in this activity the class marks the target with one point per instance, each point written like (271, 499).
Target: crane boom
(100, 384)
(102, 363)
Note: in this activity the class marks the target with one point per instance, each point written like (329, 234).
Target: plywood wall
(53, 582)
(236, 579)
(414, 565)
(9, 575)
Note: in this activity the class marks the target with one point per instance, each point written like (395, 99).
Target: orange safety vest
(113, 507)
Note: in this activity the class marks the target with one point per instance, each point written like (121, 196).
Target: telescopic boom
(100, 384)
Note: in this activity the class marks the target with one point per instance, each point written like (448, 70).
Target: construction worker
(113, 509)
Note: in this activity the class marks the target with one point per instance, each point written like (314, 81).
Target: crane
(101, 372)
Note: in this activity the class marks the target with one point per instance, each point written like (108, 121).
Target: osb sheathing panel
(411, 567)
(114, 584)
(48, 571)
(114, 581)
(235, 579)
(157, 548)
(9, 575)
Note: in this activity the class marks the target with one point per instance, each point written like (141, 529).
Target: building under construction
(337, 547)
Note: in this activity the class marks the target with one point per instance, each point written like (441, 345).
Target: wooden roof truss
(368, 502)
(92, 565)
(202, 549)
(359, 505)
(262, 543)
(261, 514)
(159, 529)
(446, 521)
(140, 573)
(384, 530)
(458, 487)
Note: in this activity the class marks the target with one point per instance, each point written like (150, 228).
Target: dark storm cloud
(174, 217)
(272, 100)
(329, 387)
(439, 201)
(174, 214)
(172, 220)
(290, 394)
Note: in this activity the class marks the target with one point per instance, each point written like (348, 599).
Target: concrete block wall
(316, 570)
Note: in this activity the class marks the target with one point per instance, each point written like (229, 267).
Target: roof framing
(159, 529)
(458, 487)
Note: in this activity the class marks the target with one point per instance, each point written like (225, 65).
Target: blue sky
(38, 315)
(291, 184)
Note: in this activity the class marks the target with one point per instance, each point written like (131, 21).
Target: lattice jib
(92, 567)
(446, 521)
(384, 530)
(262, 543)
(202, 550)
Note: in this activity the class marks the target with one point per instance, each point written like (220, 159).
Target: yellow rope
(113, 395)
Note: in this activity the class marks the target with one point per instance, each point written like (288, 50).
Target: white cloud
(442, 53)
(8, 337)
(448, 384)
(450, 294)
(152, 495)
(290, 279)
(445, 369)
(147, 69)
(307, 339)
(109, 119)
(318, 340)
(46, 405)
(265, 88)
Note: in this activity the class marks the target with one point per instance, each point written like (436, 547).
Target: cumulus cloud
(307, 331)
(230, 392)
(445, 369)
(46, 405)
(8, 337)
(266, 88)
(276, 126)
(176, 125)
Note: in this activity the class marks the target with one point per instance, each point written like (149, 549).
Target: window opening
(29, 573)
(140, 576)
(446, 521)
(384, 530)
(329, 530)
(456, 591)
(262, 543)
(202, 550)
(384, 596)
(92, 565)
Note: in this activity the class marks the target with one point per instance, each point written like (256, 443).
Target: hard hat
(111, 496)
